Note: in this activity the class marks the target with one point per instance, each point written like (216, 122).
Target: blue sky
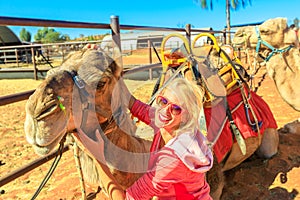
(162, 13)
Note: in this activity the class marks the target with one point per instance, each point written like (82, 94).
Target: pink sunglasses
(163, 102)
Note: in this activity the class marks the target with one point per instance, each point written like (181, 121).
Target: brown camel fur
(46, 123)
(283, 68)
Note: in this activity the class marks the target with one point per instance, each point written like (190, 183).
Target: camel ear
(117, 68)
(284, 23)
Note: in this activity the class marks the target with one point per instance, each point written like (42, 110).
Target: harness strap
(165, 83)
(234, 129)
(274, 50)
(86, 106)
(257, 124)
(83, 96)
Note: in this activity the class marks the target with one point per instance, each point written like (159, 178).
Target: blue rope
(274, 50)
(252, 124)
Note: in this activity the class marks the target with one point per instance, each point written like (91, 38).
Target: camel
(279, 46)
(263, 142)
(78, 94)
(60, 106)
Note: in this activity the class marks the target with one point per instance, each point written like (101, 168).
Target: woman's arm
(131, 102)
(137, 108)
(109, 182)
(165, 170)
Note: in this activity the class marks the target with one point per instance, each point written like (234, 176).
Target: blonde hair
(191, 98)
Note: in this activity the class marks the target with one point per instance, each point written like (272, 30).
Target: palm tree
(234, 4)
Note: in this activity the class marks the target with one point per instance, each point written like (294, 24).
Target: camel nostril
(47, 111)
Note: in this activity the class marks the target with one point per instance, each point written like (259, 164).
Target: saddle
(219, 71)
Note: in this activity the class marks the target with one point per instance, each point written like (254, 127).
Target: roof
(8, 38)
(145, 34)
(138, 35)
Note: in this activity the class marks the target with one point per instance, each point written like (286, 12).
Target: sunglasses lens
(161, 101)
(176, 110)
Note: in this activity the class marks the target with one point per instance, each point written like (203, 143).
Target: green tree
(81, 36)
(182, 25)
(49, 35)
(25, 35)
(67, 37)
(230, 4)
(91, 38)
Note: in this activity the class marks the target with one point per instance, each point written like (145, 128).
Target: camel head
(279, 48)
(273, 31)
(55, 108)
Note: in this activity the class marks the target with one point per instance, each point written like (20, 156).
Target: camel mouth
(239, 44)
(47, 146)
(40, 131)
(238, 41)
(45, 150)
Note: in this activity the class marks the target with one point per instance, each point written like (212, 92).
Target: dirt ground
(277, 178)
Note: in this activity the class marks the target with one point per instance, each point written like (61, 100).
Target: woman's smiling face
(170, 112)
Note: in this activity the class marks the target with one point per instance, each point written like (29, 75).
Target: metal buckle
(79, 82)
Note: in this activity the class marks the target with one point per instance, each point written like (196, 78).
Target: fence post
(26, 56)
(17, 57)
(34, 65)
(116, 40)
(150, 59)
(5, 61)
(188, 35)
(224, 36)
(62, 52)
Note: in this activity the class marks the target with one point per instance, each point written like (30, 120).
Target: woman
(179, 154)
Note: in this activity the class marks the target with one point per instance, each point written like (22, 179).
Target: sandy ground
(277, 178)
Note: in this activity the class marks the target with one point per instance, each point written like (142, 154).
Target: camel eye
(239, 33)
(100, 85)
(266, 31)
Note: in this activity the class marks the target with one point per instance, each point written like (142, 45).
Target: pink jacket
(176, 171)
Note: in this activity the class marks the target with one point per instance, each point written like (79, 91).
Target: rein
(52, 168)
(58, 156)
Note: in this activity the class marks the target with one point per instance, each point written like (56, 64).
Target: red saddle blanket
(216, 123)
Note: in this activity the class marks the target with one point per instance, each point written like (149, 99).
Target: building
(11, 50)
(8, 38)
(139, 40)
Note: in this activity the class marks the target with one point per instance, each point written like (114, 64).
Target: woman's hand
(95, 147)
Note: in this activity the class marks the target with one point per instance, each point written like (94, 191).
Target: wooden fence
(115, 28)
(26, 53)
